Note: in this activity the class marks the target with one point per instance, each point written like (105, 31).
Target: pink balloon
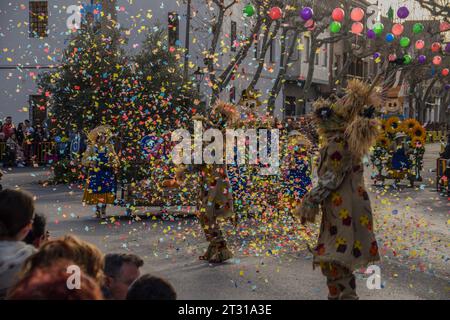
(445, 72)
(420, 44)
(276, 13)
(357, 28)
(338, 14)
(397, 29)
(392, 57)
(437, 60)
(357, 14)
(444, 26)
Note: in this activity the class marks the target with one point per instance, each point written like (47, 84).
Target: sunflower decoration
(392, 125)
(418, 133)
(383, 141)
(409, 125)
(417, 142)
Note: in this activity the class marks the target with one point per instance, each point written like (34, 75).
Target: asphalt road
(412, 226)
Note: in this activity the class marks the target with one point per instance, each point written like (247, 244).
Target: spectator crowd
(35, 267)
(19, 143)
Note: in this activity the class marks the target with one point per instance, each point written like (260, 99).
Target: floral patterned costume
(346, 241)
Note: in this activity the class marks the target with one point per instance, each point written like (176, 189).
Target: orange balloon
(420, 44)
(445, 72)
(435, 47)
(437, 60)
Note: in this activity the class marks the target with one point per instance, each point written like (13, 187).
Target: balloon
(447, 47)
(397, 29)
(447, 87)
(422, 59)
(392, 57)
(249, 10)
(402, 12)
(444, 26)
(378, 28)
(435, 47)
(357, 14)
(418, 28)
(420, 44)
(306, 13)
(335, 27)
(58, 139)
(390, 37)
(275, 13)
(445, 72)
(338, 14)
(437, 60)
(371, 34)
(357, 28)
(310, 24)
(407, 59)
(405, 42)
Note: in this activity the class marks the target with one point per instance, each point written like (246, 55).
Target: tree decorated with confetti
(85, 90)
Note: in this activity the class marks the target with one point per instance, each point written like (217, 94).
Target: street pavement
(412, 226)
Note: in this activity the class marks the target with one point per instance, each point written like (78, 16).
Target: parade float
(400, 147)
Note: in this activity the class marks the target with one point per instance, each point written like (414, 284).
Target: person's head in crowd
(149, 287)
(87, 256)
(8, 120)
(27, 123)
(121, 270)
(16, 214)
(16, 219)
(56, 282)
(38, 234)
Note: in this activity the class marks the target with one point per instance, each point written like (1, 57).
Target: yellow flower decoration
(340, 241)
(343, 213)
(417, 142)
(419, 132)
(383, 141)
(358, 245)
(364, 220)
(409, 125)
(393, 125)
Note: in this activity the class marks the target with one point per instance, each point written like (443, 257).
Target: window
(38, 109)
(325, 56)
(317, 56)
(174, 30)
(256, 46)
(233, 35)
(290, 107)
(272, 50)
(38, 19)
(307, 42)
(337, 63)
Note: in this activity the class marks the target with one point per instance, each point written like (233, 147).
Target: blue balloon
(390, 37)
(58, 139)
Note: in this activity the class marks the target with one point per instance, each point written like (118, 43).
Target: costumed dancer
(296, 169)
(101, 162)
(215, 192)
(346, 241)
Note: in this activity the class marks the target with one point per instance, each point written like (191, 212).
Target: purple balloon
(306, 13)
(402, 12)
(447, 47)
(371, 34)
(422, 58)
(447, 87)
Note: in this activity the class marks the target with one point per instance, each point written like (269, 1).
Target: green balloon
(405, 42)
(378, 28)
(335, 27)
(418, 28)
(249, 10)
(407, 59)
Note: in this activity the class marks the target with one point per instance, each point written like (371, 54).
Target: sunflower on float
(383, 141)
(409, 125)
(383, 125)
(417, 142)
(393, 125)
(419, 133)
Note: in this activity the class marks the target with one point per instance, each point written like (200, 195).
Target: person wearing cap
(296, 169)
(101, 162)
